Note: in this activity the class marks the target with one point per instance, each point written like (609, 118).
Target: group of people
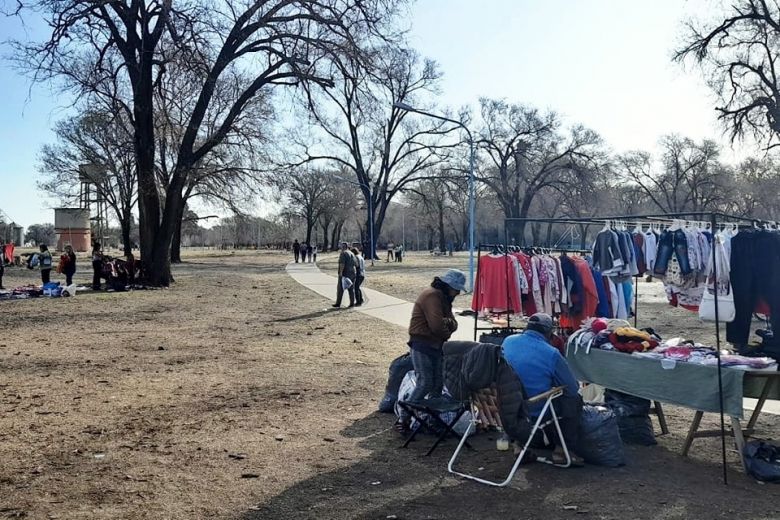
(351, 274)
(304, 251)
(539, 366)
(44, 262)
(395, 253)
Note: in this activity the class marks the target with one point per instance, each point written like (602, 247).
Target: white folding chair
(483, 411)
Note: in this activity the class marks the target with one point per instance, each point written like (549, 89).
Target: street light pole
(472, 187)
(370, 211)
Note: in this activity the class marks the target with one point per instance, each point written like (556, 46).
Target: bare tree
(381, 146)
(739, 58)
(686, 177)
(526, 152)
(262, 43)
(306, 193)
(103, 139)
(758, 189)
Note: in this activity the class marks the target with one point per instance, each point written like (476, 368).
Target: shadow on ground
(404, 484)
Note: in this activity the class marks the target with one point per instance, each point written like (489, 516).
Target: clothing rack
(712, 218)
(505, 250)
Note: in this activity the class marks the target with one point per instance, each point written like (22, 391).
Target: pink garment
(496, 286)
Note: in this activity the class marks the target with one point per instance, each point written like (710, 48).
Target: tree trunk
(309, 227)
(337, 239)
(176, 241)
(325, 227)
(535, 232)
(442, 244)
(125, 225)
(334, 237)
(155, 271)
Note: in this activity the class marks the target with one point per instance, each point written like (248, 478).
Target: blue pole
(472, 204)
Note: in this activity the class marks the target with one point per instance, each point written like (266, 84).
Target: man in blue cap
(541, 367)
(431, 325)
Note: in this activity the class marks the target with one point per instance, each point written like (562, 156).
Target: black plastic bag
(600, 441)
(398, 369)
(762, 461)
(633, 416)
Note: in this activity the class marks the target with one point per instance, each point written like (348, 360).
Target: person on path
(390, 252)
(360, 276)
(432, 324)
(68, 265)
(296, 250)
(303, 253)
(309, 253)
(46, 263)
(347, 274)
(2, 263)
(541, 367)
(314, 252)
(97, 266)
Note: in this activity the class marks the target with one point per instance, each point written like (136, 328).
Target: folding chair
(433, 409)
(483, 411)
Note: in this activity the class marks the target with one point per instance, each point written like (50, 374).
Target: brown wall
(79, 239)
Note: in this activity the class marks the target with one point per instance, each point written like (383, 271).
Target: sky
(605, 64)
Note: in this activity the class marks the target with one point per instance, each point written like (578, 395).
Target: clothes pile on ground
(21, 293)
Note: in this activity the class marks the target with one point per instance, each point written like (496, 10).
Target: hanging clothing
(497, 286)
(649, 249)
(755, 275)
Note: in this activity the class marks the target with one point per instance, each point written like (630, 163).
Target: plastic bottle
(502, 443)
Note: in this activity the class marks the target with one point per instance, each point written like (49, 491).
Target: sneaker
(336, 306)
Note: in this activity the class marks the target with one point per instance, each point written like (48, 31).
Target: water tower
(73, 225)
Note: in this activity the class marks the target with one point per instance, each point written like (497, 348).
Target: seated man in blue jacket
(541, 367)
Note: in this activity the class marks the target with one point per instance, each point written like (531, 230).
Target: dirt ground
(237, 393)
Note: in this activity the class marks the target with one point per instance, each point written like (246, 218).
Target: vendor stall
(692, 259)
(690, 385)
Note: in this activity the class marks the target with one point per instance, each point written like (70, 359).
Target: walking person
(2, 263)
(314, 252)
(309, 248)
(346, 278)
(296, 250)
(45, 262)
(432, 324)
(390, 252)
(97, 266)
(303, 253)
(67, 265)
(359, 276)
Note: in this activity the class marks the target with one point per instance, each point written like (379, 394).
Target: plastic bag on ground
(633, 415)
(600, 441)
(398, 369)
(762, 461)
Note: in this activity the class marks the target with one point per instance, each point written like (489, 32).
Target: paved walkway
(379, 305)
(397, 311)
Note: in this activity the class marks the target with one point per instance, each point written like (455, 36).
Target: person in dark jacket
(46, 263)
(432, 324)
(97, 266)
(296, 250)
(541, 367)
(2, 263)
(347, 270)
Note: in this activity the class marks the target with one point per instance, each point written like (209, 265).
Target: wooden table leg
(661, 418)
(739, 440)
(692, 432)
(769, 382)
